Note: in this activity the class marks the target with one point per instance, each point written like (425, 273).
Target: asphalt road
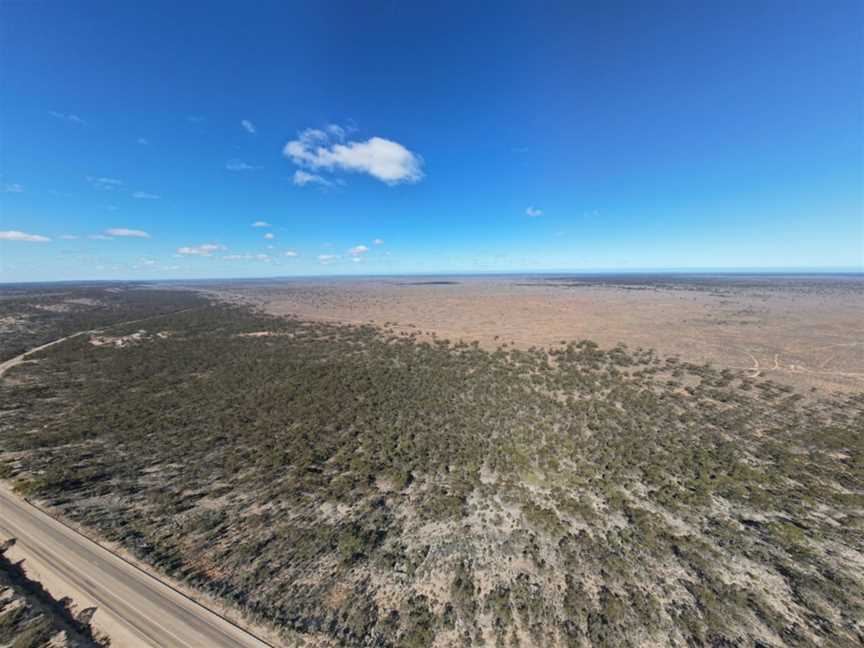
(133, 607)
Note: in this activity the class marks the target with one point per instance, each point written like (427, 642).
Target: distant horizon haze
(800, 272)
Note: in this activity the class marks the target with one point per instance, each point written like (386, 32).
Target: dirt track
(8, 364)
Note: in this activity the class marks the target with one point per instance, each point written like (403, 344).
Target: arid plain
(802, 330)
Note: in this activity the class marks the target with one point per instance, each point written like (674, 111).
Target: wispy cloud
(69, 237)
(384, 159)
(248, 257)
(328, 258)
(123, 231)
(239, 165)
(100, 237)
(336, 131)
(357, 250)
(103, 183)
(143, 195)
(248, 126)
(261, 223)
(143, 141)
(195, 119)
(291, 253)
(533, 212)
(12, 187)
(378, 242)
(75, 119)
(205, 249)
(302, 178)
(269, 236)
(16, 235)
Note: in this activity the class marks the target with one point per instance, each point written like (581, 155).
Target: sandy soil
(804, 332)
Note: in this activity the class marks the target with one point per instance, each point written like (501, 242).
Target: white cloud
(12, 187)
(15, 235)
(381, 158)
(336, 131)
(533, 212)
(261, 223)
(69, 237)
(143, 195)
(248, 126)
(327, 258)
(100, 237)
(239, 165)
(248, 257)
(269, 236)
(378, 242)
(302, 178)
(75, 119)
(143, 141)
(357, 250)
(122, 231)
(205, 249)
(103, 183)
(291, 253)
(356, 259)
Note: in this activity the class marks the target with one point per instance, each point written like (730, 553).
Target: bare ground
(806, 333)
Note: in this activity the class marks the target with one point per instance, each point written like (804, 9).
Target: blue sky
(144, 140)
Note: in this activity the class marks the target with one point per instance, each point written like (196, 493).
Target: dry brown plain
(806, 331)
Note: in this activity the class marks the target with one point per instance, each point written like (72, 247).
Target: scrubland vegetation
(358, 487)
(34, 315)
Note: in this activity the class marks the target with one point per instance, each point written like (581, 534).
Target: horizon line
(730, 270)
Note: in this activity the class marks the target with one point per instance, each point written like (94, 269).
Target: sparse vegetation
(369, 488)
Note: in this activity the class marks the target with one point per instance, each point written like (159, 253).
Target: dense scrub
(356, 487)
(34, 315)
(31, 618)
